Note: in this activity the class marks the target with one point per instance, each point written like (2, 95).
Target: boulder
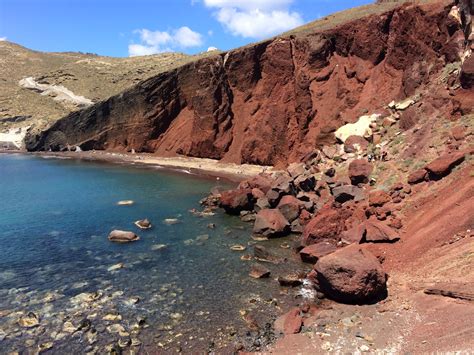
(467, 73)
(458, 132)
(296, 169)
(289, 207)
(291, 280)
(119, 236)
(328, 224)
(261, 181)
(143, 224)
(258, 271)
(346, 193)
(312, 253)
(360, 128)
(271, 223)
(305, 182)
(293, 322)
(351, 275)
(378, 232)
(355, 144)
(262, 254)
(443, 165)
(378, 198)
(417, 176)
(261, 204)
(234, 201)
(359, 171)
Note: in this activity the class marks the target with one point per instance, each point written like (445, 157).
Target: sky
(122, 28)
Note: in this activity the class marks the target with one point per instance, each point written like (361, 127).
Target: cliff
(274, 102)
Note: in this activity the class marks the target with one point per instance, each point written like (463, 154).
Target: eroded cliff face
(276, 101)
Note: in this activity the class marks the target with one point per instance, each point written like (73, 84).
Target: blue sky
(137, 27)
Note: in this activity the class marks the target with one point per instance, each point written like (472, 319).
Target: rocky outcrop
(351, 275)
(273, 102)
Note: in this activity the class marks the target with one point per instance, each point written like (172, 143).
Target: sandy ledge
(188, 165)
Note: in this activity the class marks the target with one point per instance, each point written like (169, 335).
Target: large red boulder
(443, 165)
(359, 171)
(378, 198)
(234, 201)
(354, 144)
(351, 275)
(261, 181)
(293, 322)
(329, 223)
(417, 176)
(377, 232)
(312, 253)
(271, 223)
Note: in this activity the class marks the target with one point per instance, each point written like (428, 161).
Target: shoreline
(185, 165)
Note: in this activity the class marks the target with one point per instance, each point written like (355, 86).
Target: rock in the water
(359, 171)
(378, 198)
(156, 247)
(125, 203)
(143, 224)
(238, 247)
(29, 320)
(258, 271)
(119, 236)
(443, 165)
(346, 193)
(289, 207)
(262, 254)
(235, 201)
(351, 275)
(377, 232)
(417, 176)
(116, 267)
(171, 221)
(312, 253)
(271, 223)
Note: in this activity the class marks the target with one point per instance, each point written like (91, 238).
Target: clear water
(55, 216)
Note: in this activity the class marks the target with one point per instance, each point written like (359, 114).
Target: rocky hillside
(276, 101)
(39, 88)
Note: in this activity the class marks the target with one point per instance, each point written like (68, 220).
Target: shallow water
(56, 261)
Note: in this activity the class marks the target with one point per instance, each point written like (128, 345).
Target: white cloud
(3, 39)
(255, 18)
(153, 42)
(185, 37)
(250, 4)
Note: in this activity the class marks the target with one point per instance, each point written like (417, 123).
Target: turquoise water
(56, 261)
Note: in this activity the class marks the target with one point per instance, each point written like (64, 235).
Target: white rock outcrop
(360, 128)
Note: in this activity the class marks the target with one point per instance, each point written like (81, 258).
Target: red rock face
(272, 102)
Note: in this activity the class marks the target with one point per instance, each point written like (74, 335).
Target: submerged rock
(158, 247)
(29, 320)
(258, 271)
(119, 236)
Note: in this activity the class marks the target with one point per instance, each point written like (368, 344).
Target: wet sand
(189, 165)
